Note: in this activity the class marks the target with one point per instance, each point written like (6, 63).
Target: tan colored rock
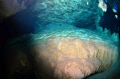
(72, 58)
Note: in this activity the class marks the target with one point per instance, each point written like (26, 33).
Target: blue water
(27, 20)
(41, 14)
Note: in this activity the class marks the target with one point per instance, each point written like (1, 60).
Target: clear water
(85, 19)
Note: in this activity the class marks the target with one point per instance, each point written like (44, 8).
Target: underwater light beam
(102, 5)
